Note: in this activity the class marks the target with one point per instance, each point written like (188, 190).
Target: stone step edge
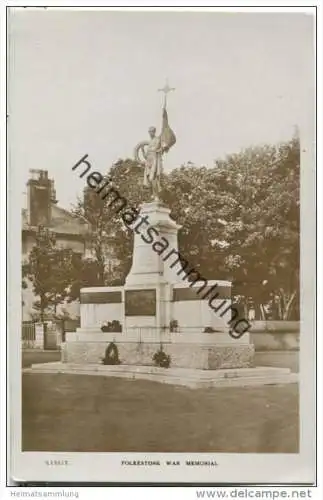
(191, 382)
(196, 374)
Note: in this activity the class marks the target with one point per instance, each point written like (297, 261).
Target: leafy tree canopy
(52, 271)
(240, 218)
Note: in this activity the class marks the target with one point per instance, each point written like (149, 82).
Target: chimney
(39, 196)
(53, 192)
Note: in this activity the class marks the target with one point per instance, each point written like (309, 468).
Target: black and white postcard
(161, 244)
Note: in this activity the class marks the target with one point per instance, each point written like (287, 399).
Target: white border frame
(232, 468)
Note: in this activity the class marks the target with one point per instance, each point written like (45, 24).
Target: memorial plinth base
(202, 355)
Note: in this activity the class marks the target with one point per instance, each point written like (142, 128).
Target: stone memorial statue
(150, 153)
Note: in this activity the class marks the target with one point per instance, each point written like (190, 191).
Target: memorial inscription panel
(140, 302)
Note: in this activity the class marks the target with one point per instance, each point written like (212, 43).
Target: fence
(28, 335)
(35, 336)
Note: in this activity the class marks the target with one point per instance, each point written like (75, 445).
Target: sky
(85, 82)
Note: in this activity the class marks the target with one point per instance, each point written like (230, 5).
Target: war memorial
(170, 324)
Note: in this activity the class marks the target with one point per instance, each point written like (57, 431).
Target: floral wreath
(111, 355)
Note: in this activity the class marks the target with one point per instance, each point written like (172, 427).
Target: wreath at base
(111, 355)
(161, 359)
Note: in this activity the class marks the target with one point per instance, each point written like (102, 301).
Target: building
(70, 231)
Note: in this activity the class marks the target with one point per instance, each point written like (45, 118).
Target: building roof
(62, 221)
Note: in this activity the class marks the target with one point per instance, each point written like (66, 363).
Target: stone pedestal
(154, 238)
(150, 277)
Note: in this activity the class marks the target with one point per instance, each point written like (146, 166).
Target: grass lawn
(83, 413)
(283, 359)
(33, 356)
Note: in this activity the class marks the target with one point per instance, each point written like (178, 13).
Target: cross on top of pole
(166, 89)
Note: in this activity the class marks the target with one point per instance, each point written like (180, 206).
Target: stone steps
(192, 378)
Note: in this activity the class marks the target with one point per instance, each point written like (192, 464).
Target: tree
(51, 271)
(191, 193)
(85, 274)
(24, 286)
(111, 240)
(262, 229)
(94, 211)
(240, 220)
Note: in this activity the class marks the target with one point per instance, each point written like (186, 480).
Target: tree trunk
(288, 306)
(42, 309)
(99, 248)
(262, 312)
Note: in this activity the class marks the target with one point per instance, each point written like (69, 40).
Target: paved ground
(83, 413)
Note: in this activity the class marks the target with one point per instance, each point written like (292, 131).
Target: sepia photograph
(161, 186)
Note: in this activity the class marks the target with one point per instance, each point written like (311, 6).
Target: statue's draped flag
(167, 136)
